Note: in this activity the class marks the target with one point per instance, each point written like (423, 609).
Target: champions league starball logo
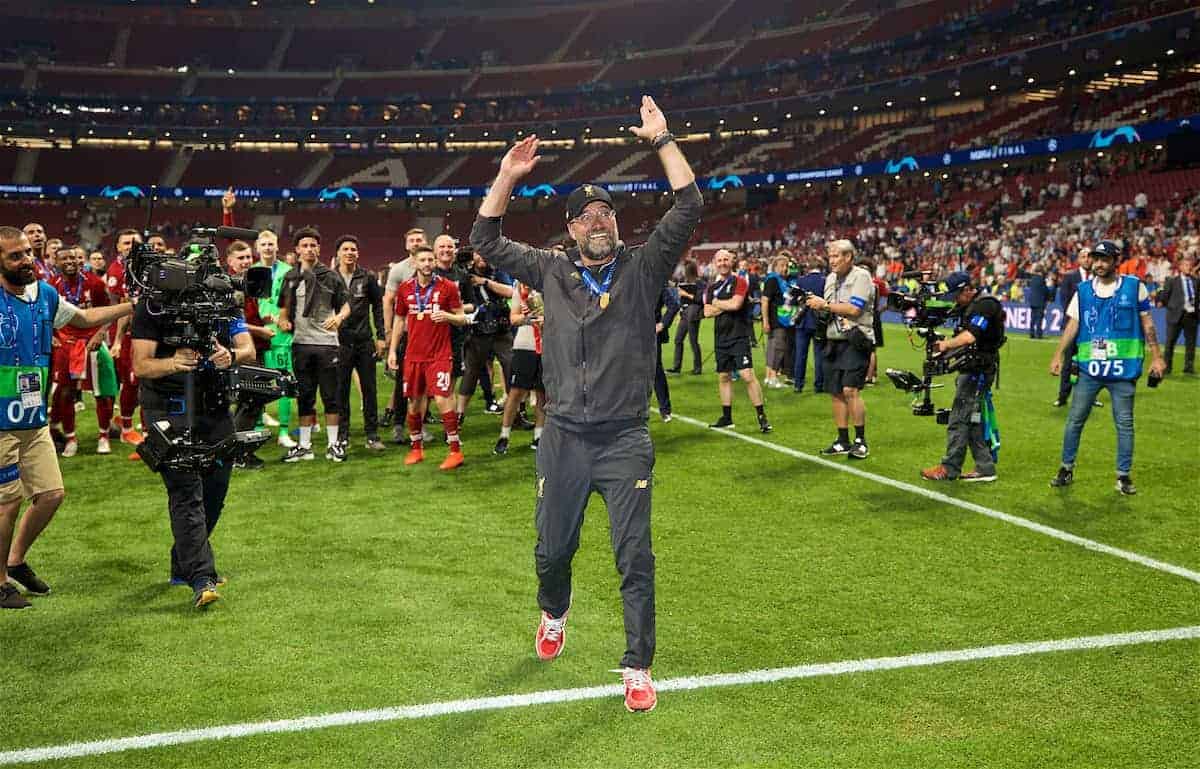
(8, 332)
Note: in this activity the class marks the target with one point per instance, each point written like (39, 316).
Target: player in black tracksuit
(598, 356)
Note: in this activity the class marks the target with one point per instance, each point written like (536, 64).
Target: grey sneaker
(374, 444)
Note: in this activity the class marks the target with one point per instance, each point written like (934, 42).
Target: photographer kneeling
(981, 324)
(194, 500)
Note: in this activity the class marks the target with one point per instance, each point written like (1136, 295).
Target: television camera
(197, 298)
(924, 313)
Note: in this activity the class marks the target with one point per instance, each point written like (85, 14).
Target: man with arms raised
(598, 354)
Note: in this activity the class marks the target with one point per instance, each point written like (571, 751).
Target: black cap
(1108, 250)
(584, 194)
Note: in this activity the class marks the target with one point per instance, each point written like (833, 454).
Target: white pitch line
(452, 707)
(1024, 523)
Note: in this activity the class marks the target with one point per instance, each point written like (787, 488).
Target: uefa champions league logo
(1052, 145)
(8, 332)
(946, 159)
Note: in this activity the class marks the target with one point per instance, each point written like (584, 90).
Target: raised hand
(521, 159)
(228, 200)
(653, 121)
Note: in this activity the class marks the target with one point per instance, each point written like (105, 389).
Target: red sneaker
(414, 456)
(551, 637)
(936, 473)
(131, 436)
(640, 696)
(452, 461)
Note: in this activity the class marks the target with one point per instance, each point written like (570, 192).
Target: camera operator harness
(195, 298)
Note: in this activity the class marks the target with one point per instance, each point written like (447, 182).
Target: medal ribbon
(606, 279)
(423, 301)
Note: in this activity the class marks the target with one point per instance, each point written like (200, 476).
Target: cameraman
(490, 333)
(981, 323)
(850, 338)
(194, 500)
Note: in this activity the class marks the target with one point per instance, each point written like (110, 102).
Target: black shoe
(204, 594)
(336, 452)
(696, 371)
(666, 415)
(493, 408)
(114, 433)
(1186, 371)
(299, 453)
(672, 370)
(859, 450)
(835, 449)
(501, 446)
(724, 423)
(430, 419)
(1059, 403)
(1124, 485)
(522, 423)
(533, 444)
(249, 462)
(389, 416)
(763, 425)
(11, 598)
(23, 577)
(1064, 477)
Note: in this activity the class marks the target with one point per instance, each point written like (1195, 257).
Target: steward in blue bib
(1111, 342)
(26, 335)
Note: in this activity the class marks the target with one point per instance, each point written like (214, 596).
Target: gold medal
(420, 315)
(604, 298)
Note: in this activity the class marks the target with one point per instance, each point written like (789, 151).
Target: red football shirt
(427, 341)
(114, 278)
(84, 291)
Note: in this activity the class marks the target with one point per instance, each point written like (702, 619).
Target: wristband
(662, 140)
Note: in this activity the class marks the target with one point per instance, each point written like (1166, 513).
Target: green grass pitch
(371, 585)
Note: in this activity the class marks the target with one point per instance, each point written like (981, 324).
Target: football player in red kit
(122, 341)
(81, 361)
(426, 306)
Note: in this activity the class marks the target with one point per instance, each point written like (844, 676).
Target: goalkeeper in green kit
(279, 356)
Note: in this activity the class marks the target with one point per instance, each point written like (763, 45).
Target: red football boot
(414, 456)
(551, 637)
(640, 696)
(453, 460)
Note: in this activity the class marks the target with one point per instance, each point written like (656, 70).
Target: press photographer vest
(26, 331)
(1110, 338)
